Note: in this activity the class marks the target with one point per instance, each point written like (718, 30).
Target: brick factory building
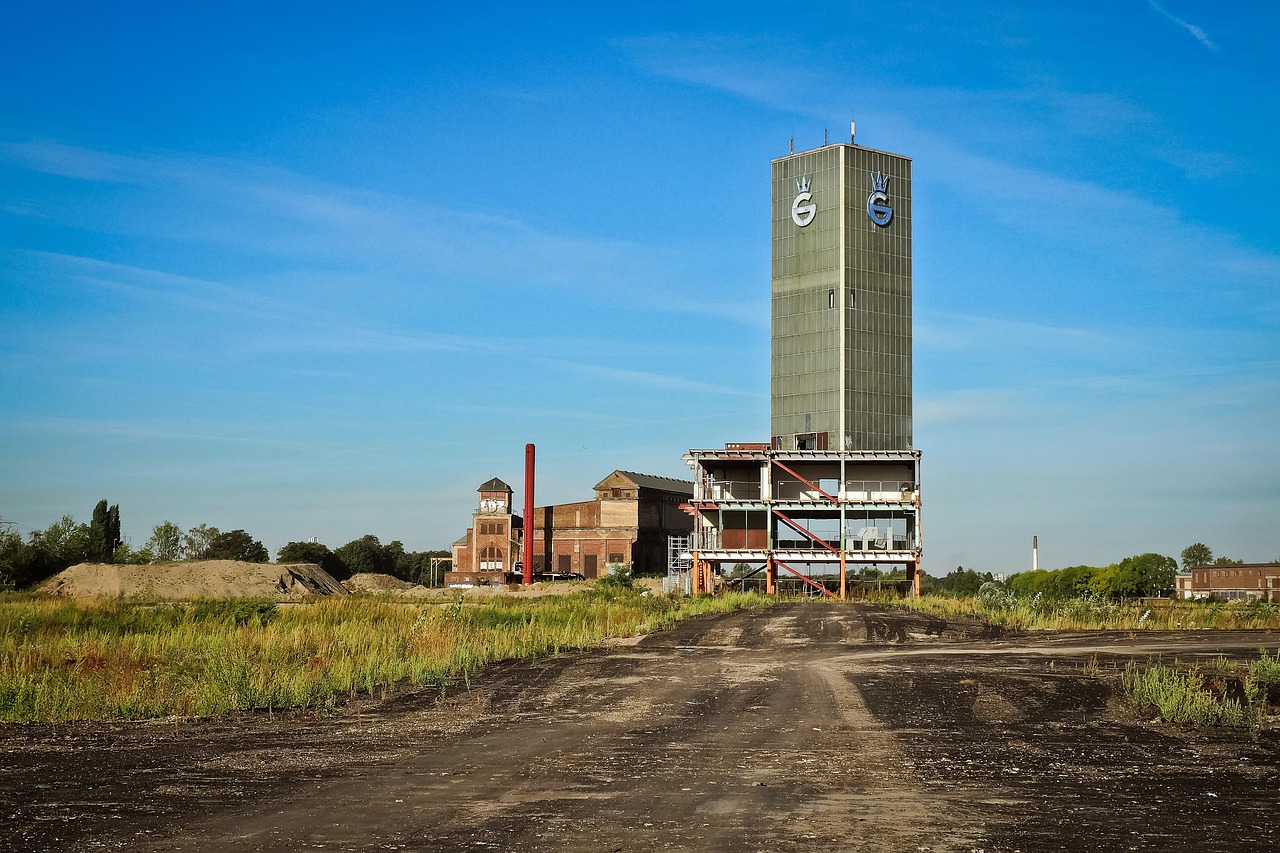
(626, 524)
(1251, 581)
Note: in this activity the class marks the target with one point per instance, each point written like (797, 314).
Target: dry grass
(62, 660)
(1083, 614)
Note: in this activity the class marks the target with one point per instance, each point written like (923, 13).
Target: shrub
(1181, 696)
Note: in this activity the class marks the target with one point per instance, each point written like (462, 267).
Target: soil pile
(374, 582)
(201, 579)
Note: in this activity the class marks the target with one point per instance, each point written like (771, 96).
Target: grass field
(1082, 614)
(119, 659)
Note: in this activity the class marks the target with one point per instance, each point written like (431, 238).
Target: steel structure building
(839, 482)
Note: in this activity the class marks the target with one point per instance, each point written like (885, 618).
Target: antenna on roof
(793, 143)
(825, 139)
(852, 129)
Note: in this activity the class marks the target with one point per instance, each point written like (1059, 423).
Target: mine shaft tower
(838, 486)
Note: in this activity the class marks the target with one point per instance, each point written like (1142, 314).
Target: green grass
(120, 659)
(1187, 694)
(1183, 694)
(1079, 614)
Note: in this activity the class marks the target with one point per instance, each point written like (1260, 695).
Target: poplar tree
(104, 532)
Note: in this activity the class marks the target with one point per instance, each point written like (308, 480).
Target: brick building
(1248, 581)
(626, 524)
(488, 552)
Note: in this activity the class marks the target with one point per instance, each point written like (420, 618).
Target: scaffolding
(678, 565)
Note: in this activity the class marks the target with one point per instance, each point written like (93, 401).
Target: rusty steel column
(770, 577)
(528, 514)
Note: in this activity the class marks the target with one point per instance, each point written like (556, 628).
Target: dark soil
(805, 727)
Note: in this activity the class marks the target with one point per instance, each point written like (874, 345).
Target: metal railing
(731, 490)
(710, 539)
(853, 490)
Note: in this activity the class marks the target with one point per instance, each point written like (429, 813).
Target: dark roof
(494, 485)
(653, 481)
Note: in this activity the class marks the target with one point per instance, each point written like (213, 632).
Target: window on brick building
(491, 559)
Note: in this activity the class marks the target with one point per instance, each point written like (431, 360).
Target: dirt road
(805, 727)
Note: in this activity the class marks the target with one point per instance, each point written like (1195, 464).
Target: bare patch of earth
(803, 727)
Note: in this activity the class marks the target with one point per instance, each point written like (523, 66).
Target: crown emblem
(802, 184)
(879, 182)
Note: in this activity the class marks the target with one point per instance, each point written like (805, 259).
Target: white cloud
(1196, 33)
(647, 379)
(294, 326)
(267, 216)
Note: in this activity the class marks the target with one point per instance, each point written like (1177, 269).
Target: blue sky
(321, 270)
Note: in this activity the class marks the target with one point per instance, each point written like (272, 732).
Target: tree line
(1142, 575)
(66, 542)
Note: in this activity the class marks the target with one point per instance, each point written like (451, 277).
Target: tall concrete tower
(838, 487)
(841, 288)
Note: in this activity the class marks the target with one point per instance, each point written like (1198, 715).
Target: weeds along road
(800, 728)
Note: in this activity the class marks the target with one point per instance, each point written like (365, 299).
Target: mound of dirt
(374, 582)
(202, 579)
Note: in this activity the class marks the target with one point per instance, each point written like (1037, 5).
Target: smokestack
(528, 514)
(1035, 553)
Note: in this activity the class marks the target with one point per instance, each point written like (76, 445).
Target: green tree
(963, 582)
(237, 545)
(412, 566)
(104, 532)
(416, 567)
(1155, 572)
(1073, 581)
(198, 541)
(365, 554)
(25, 563)
(10, 545)
(29, 563)
(165, 542)
(1104, 582)
(1197, 554)
(66, 542)
(1035, 582)
(314, 553)
(1227, 561)
(125, 555)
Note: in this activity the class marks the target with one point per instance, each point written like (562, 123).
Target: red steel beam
(813, 486)
(810, 581)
